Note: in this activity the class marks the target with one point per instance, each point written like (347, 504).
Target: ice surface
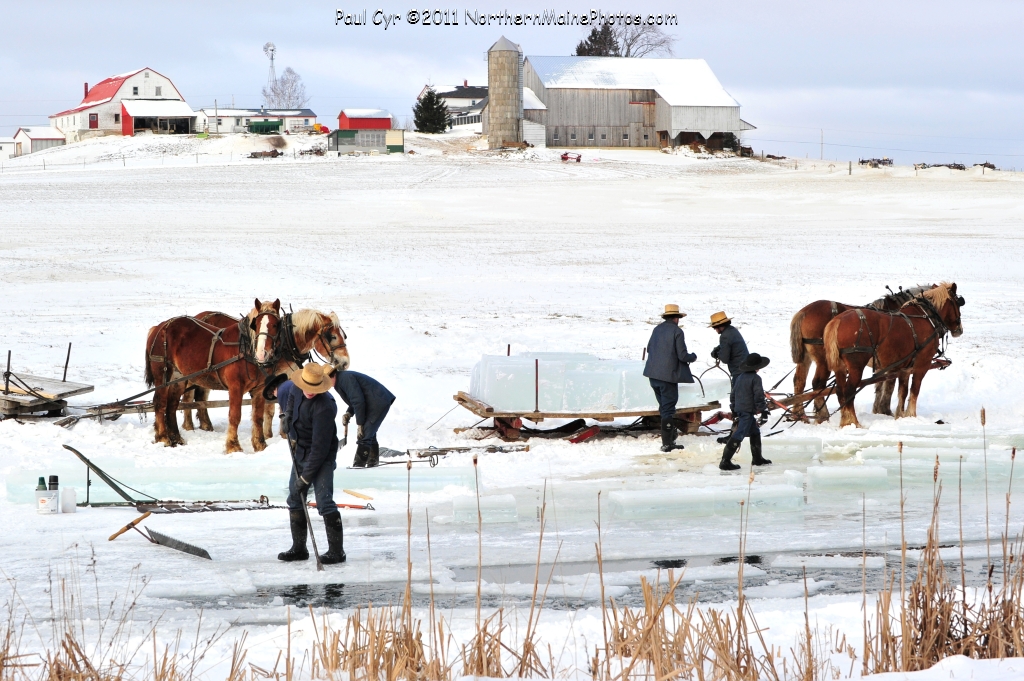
(847, 478)
(703, 501)
(781, 449)
(774, 589)
(498, 508)
(422, 479)
(825, 562)
(576, 382)
(729, 571)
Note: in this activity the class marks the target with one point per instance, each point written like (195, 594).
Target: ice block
(497, 508)
(847, 478)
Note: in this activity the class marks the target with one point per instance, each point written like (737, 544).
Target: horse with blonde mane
(902, 343)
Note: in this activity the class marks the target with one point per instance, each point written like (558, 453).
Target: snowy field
(435, 258)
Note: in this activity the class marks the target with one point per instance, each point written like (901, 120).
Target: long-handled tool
(305, 508)
(344, 439)
(155, 537)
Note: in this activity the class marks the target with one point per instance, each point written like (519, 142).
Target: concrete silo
(504, 93)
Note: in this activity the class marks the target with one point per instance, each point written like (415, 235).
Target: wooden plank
(51, 389)
(147, 407)
(15, 409)
(487, 411)
(805, 397)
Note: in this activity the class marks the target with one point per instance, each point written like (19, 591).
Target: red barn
(364, 119)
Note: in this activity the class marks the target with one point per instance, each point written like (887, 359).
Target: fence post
(851, 168)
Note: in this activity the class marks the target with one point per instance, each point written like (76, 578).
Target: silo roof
(680, 82)
(504, 45)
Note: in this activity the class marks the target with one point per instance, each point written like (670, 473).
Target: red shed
(364, 119)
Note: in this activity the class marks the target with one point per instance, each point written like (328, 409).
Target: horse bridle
(254, 325)
(325, 337)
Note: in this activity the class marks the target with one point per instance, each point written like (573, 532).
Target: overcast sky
(918, 81)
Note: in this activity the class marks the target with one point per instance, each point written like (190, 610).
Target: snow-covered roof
(157, 108)
(532, 101)
(41, 133)
(366, 113)
(105, 90)
(680, 82)
(253, 113)
(6, 140)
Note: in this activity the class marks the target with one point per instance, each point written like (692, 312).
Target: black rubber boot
(335, 540)
(362, 452)
(668, 438)
(373, 460)
(297, 520)
(755, 450)
(727, 454)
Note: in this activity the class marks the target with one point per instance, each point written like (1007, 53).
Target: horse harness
(821, 341)
(939, 330)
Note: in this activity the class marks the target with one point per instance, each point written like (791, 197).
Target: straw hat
(672, 311)
(718, 319)
(313, 378)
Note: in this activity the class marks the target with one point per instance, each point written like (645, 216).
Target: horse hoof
(207, 427)
(232, 447)
(259, 446)
(187, 426)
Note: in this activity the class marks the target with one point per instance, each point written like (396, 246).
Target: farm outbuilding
(31, 140)
(364, 119)
(608, 101)
(158, 108)
(366, 141)
(6, 147)
(217, 120)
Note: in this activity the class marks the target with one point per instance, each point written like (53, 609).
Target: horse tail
(796, 337)
(831, 341)
(150, 381)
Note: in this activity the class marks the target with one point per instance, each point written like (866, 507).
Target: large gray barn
(610, 101)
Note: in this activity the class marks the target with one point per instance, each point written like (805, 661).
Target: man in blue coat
(747, 400)
(369, 402)
(731, 349)
(668, 365)
(313, 438)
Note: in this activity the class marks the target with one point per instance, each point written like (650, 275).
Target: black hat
(268, 390)
(754, 362)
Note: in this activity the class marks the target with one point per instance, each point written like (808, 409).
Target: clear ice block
(496, 508)
(847, 478)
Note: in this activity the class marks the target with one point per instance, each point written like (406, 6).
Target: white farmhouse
(6, 147)
(141, 100)
(216, 120)
(31, 140)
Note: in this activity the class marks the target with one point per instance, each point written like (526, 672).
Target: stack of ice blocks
(576, 382)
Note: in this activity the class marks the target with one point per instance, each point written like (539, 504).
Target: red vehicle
(569, 156)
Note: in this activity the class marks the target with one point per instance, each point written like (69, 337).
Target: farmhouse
(31, 140)
(224, 120)
(142, 100)
(607, 101)
(460, 99)
(364, 119)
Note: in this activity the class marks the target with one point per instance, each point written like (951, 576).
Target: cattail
(983, 416)
(899, 446)
(935, 473)
(408, 465)
(750, 481)
(474, 459)
(1013, 454)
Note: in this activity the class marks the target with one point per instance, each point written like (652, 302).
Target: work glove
(302, 487)
(346, 418)
(764, 418)
(714, 353)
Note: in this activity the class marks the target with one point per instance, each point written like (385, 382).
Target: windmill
(270, 50)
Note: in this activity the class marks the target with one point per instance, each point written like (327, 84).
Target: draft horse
(301, 333)
(806, 331)
(901, 343)
(234, 358)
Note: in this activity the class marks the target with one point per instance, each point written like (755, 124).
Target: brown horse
(806, 331)
(902, 343)
(184, 345)
(300, 333)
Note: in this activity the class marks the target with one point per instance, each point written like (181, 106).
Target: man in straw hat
(746, 401)
(313, 436)
(668, 365)
(732, 349)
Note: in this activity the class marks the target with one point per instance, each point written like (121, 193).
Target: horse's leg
(234, 415)
(851, 378)
(915, 389)
(174, 394)
(202, 395)
(883, 396)
(799, 382)
(259, 442)
(160, 416)
(268, 421)
(186, 420)
(818, 382)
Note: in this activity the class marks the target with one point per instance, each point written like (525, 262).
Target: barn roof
(464, 92)
(105, 90)
(366, 113)
(41, 133)
(531, 101)
(680, 82)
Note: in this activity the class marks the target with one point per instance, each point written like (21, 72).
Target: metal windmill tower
(270, 50)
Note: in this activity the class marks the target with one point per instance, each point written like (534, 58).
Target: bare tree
(642, 40)
(286, 92)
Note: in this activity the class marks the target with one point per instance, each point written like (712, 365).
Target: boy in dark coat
(746, 401)
(369, 402)
(668, 365)
(313, 438)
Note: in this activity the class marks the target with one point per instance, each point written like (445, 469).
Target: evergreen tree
(431, 113)
(600, 43)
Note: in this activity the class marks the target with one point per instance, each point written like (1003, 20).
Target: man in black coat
(731, 349)
(747, 400)
(313, 438)
(369, 402)
(668, 365)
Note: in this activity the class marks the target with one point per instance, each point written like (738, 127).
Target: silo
(504, 93)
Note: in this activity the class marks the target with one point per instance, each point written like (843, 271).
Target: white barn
(228, 120)
(31, 140)
(126, 104)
